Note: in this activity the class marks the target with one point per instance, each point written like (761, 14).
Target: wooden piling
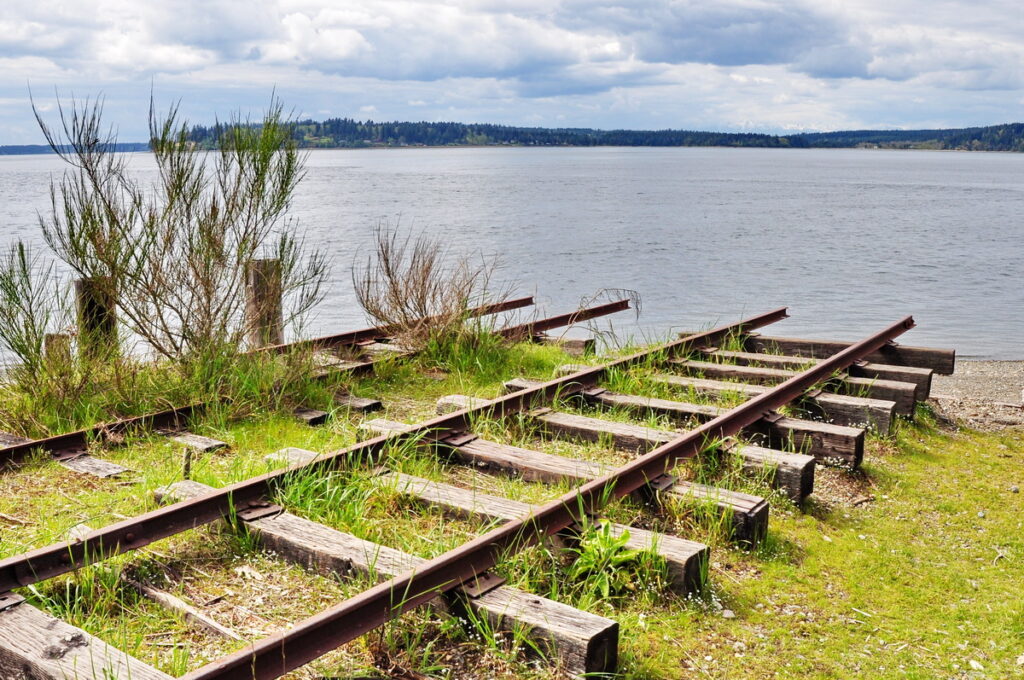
(264, 290)
(97, 315)
(57, 349)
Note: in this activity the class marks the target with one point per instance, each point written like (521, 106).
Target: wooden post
(263, 282)
(57, 349)
(97, 316)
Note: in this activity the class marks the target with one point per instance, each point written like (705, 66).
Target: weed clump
(605, 570)
(416, 289)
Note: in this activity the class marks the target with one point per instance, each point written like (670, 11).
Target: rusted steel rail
(250, 496)
(529, 330)
(309, 639)
(381, 332)
(75, 443)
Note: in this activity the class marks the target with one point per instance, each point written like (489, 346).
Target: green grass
(914, 584)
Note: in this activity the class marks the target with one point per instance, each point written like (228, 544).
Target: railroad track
(840, 382)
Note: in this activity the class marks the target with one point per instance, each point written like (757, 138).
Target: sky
(735, 65)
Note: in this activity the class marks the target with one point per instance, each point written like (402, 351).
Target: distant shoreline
(383, 147)
(346, 133)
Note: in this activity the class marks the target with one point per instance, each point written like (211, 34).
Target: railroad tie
(311, 416)
(793, 473)
(686, 560)
(748, 514)
(839, 409)
(76, 459)
(942, 361)
(920, 377)
(34, 644)
(828, 443)
(902, 393)
(583, 643)
(353, 403)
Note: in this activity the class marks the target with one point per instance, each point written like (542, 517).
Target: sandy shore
(982, 394)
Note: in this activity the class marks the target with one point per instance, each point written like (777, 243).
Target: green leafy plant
(604, 569)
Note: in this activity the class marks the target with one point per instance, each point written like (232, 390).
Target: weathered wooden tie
(791, 472)
(383, 348)
(8, 439)
(749, 514)
(827, 442)
(904, 394)
(518, 384)
(750, 517)
(353, 403)
(878, 414)
(532, 466)
(456, 402)
(290, 455)
(197, 442)
(941, 361)
(686, 560)
(582, 643)
(921, 377)
(625, 436)
(78, 461)
(311, 416)
(90, 465)
(37, 646)
(379, 426)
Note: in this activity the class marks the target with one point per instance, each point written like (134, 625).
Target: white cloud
(743, 64)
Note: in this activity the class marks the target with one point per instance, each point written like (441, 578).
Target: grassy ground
(922, 582)
(911, 568)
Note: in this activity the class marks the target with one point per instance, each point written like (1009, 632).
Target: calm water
(850, 240)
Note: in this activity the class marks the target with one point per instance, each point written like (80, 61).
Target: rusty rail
(381, 332)
(528, 330)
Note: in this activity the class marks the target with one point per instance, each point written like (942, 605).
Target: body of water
(850, 240)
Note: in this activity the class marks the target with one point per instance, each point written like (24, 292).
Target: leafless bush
(417, 288)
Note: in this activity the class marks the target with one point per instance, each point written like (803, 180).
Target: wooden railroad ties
(903, 395)
(792, 473)
(748, 514)
(585, 643)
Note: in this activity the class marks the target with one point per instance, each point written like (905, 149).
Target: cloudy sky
(735, 65)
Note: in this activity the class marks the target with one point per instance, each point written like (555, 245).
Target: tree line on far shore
(342, 133)
(350, 133)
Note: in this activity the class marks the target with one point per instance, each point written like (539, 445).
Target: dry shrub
(418, 290)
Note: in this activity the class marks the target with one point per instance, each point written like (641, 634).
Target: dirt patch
(834, 487)
(984, 395)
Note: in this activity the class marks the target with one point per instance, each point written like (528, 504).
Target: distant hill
(349, 133)
(22, 149)
(342, 133)
(1007, 137)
